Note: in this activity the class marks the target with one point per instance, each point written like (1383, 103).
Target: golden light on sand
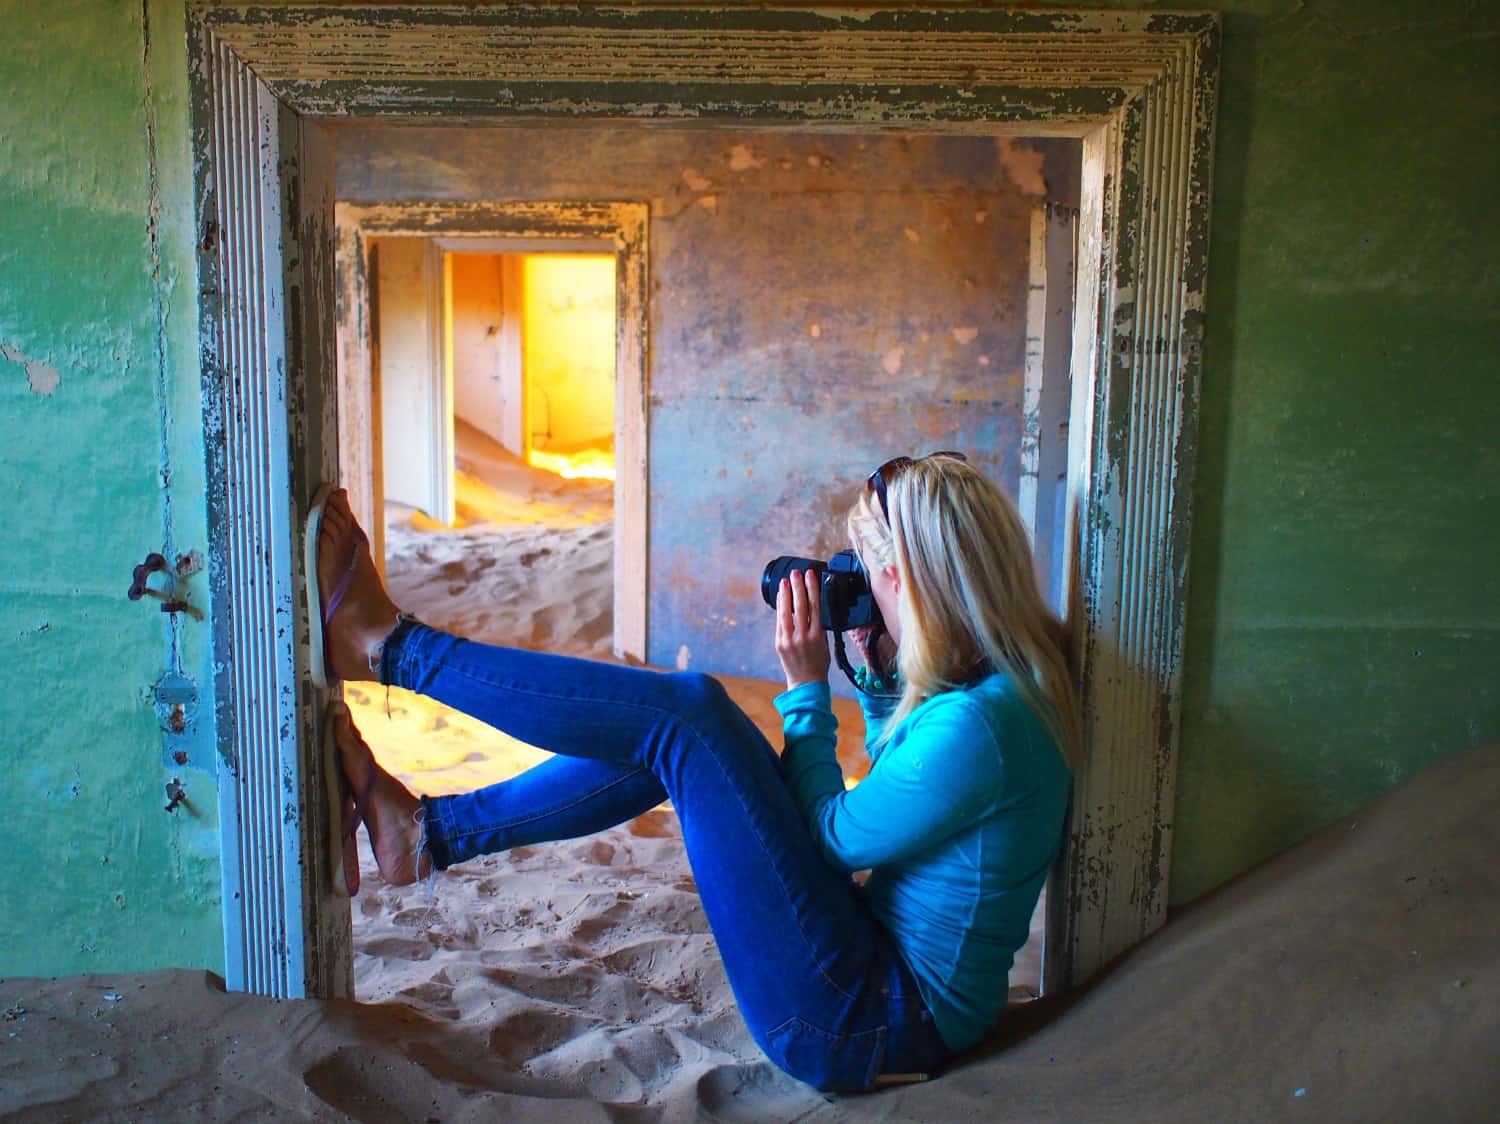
(589, 464)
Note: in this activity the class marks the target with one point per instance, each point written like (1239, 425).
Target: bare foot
(390, 808)
(366, 615)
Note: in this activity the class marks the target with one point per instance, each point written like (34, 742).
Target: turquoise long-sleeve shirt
(958, 822)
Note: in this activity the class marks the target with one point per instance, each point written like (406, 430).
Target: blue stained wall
(818, 303)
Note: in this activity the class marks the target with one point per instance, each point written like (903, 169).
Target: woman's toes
(389, 806)
(336, 511)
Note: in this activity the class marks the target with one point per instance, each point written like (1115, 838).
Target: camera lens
(845, 587)
(779, 568)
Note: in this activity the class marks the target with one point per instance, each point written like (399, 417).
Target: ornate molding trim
(1139, 88)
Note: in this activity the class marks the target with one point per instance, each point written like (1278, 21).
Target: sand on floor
(1354, 979)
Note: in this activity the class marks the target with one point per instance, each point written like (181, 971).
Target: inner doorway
(509, 349)
(495, 375)
(491, 379)
(493, 370)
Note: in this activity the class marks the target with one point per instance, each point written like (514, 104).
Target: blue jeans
(818, 979)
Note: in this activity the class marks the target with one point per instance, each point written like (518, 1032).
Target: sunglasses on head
(882, 476)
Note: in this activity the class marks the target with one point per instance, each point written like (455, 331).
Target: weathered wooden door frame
(1138, 88)
(1046, 388)
(437, 493)
(558, 227)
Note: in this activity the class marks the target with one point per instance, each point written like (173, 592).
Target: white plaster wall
(570, 350)
(478, 315)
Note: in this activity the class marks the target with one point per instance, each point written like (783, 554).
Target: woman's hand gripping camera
(801, 643)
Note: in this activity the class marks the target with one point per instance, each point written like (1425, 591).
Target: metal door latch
(173, 600)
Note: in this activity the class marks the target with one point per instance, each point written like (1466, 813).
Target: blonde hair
(968, 592)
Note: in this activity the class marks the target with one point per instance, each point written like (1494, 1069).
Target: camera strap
(842, 657)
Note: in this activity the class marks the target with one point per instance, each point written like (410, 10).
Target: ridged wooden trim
(246, 392)
(1139, 88)
(830, 64)
(440, 485)
(323, 53)
(357, 403)
(1135, 494)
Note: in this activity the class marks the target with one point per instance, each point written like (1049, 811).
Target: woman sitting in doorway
(958, 821)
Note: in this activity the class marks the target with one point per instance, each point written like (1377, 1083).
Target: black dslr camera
(847, 600)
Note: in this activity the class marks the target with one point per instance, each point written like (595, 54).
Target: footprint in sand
(416, 918)
(752, 1093)
(598, 627)
(590, 929)
(528, 1034)
(434, 996)
(544, 624)
(396, 948)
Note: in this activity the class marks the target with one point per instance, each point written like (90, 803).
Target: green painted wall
(1344, 612)
(1344, 621)
(97, 284)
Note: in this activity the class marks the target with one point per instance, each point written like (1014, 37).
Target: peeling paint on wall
(43, 378)
(1023, 163)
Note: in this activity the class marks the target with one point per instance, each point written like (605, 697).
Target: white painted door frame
(1140, 89)
(1047, 389)
(413, 436)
